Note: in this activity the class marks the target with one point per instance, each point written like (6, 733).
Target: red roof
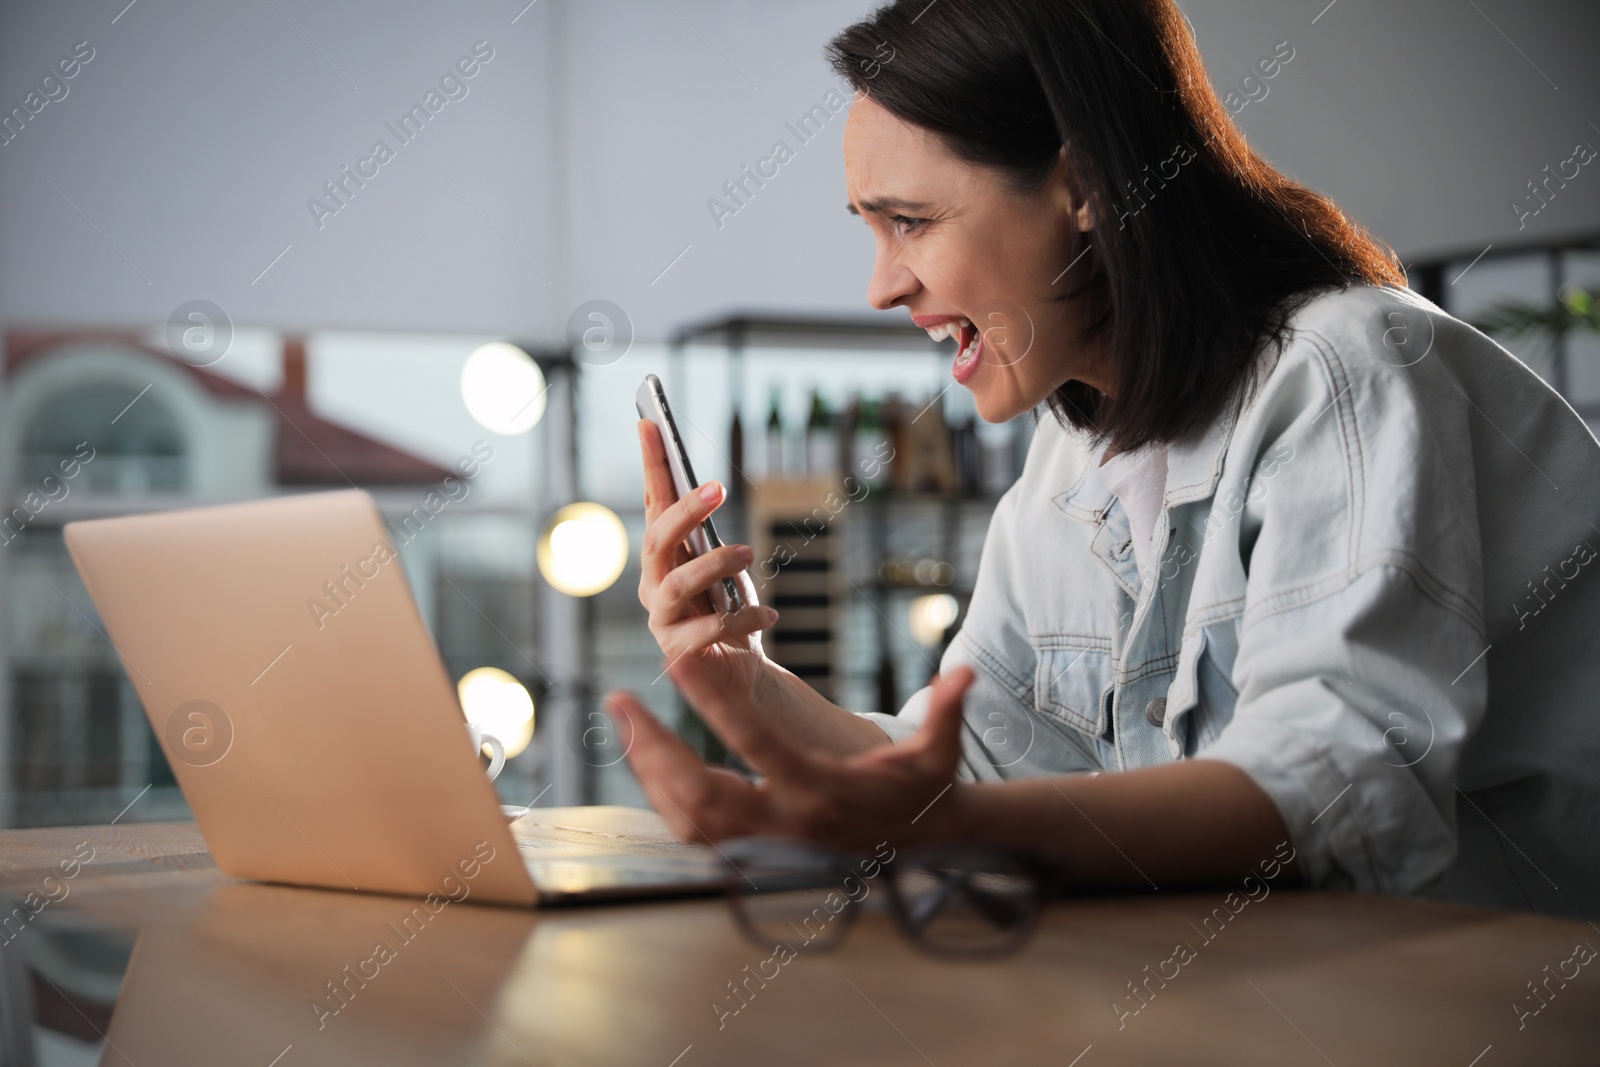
(309, 450)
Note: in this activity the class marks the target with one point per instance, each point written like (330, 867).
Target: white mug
(497, 759)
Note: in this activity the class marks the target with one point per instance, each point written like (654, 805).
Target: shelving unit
(843, 626)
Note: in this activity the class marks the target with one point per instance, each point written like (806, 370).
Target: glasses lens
(966, 902)
(791, 892)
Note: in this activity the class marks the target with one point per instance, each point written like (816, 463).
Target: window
(138, 447)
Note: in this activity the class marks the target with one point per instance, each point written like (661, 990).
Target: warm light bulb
(583, 549)
(931, 616)
(503, 388)
(501, 705)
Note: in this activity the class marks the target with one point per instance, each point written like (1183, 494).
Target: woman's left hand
(900, 793)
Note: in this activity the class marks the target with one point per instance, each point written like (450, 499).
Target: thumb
(649, 746)
(939, 739)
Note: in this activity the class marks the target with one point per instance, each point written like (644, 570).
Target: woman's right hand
(673, 584)
(715, 653)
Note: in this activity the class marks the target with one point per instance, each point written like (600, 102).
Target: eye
(904, 224)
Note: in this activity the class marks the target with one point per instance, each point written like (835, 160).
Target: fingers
(691, 635)
(941, 730)
(659, 492)
(698, 802)
(747, 587)
(937, 744)
(664, 764)
(684, 582)
(739, 723)
(664, 535)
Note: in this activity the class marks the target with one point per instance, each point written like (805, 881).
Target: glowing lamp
(931, 616)
(583, 549)
(503, 388)
(501, 705)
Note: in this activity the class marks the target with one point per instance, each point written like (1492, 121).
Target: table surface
(232, 972)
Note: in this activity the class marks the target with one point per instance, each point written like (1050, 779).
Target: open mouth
(970, 341)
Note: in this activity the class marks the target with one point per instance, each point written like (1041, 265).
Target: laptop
(290, 680)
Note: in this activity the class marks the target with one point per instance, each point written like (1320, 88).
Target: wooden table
(224, 972)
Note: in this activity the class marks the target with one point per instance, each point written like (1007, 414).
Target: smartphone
(651, 401)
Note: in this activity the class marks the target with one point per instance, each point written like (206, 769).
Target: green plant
(1576, 311)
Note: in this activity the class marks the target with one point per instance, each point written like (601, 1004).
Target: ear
(1073, 196)
(1085, 223)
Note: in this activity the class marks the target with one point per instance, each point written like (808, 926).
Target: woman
(1296, 557)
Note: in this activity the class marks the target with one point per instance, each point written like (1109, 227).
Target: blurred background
(215, 285)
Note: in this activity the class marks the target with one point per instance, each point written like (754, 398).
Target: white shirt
(1138, 480)
(1374, 587)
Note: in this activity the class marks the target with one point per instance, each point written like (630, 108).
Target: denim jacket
(1372, 588)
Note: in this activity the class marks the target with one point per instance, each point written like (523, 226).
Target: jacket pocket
(1069, 681)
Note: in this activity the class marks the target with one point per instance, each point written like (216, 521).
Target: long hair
(1200, 250)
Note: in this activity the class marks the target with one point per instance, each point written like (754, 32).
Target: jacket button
(1155, 712)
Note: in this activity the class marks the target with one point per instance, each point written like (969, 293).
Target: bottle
(932, 457)
(1022, 429)
(942, 449)
(822, 445)
(894, 428)
(775, 436)
(995, 447)
(888, 684)
(844, 432)
(870, 454)
(969, 461)
(736, 478)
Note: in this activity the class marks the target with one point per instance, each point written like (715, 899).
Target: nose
(892, 281)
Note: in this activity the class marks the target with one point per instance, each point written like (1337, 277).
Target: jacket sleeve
(1360, 666)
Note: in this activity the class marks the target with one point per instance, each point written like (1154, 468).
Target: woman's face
(971, 258)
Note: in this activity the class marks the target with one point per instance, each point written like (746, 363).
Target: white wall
(661, 119)
(592, 140)
(195, 136)
(1420, 118)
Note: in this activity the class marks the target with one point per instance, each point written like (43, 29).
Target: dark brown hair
(1188, 273)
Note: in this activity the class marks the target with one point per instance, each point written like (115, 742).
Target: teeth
(947, 329)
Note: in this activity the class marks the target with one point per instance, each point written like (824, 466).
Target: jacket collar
(1194, 466)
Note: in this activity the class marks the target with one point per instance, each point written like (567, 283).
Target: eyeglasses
(951, 900)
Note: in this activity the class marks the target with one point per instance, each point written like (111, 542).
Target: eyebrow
(879, 207)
